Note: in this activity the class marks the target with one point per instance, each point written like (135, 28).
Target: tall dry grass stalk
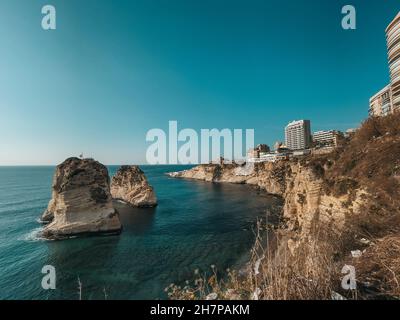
(273, 273)
(307, 271)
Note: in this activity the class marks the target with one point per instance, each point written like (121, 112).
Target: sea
(196, 225)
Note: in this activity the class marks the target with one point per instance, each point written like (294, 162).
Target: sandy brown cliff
(81, 201)
(339, 209)
(297, 182)
(131, 186)
(268, 176)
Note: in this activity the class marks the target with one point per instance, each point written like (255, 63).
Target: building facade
(381, 103)
(393, 43)
(327, 138)
(387, 100)
(256, 152)
(298, 135)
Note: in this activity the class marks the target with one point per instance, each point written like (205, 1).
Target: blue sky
(115, 69)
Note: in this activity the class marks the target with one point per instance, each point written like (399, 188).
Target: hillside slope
(347, 201)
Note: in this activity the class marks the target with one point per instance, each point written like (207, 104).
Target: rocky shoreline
(298, 182)
(267, 176)
(340, 209)
(307, 210)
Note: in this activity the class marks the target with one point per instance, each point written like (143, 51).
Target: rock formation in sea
(130, 185)
(81, 201)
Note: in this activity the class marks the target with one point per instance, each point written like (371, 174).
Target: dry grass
(207, 286)
(273, 273)
(307, 274)
(312, 273)
(379, 268)
(369, 161)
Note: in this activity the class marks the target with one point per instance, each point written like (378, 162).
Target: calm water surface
(196, 224)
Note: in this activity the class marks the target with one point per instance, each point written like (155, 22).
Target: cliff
(81, 201)
(268, 176)
(297, 182)
(339, 209)
(131, 186)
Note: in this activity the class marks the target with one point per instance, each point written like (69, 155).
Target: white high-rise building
(393, 44)
(387, 100)
(298, 135)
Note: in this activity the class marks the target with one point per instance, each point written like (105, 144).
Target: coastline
(265, 232)
(333, 215)
(157, 246)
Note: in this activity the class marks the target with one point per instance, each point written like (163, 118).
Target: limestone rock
(267, 176)
(130, 185)
(301, 187)
(81, 201)
(48, 214)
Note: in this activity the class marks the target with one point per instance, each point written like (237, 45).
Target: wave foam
(33, 235)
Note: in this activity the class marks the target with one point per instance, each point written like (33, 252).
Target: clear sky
(115, 69)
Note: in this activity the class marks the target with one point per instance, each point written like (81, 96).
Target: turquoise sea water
(196, 224)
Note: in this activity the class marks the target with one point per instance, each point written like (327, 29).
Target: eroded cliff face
(307, 204)
(267, 176)
(81, 201)
(340, 209)
(312, 211)
(130, 185)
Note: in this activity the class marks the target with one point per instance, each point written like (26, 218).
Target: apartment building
(327, 138)
(381, 103)
(298, 135)
(387, 100)
(393, 44)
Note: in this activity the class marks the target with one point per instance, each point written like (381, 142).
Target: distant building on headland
(281, 148)
(278, 144)
(298, 135)
(387, 100)
(255, 154)
(262, 153)
(299, 143)
(329, 138)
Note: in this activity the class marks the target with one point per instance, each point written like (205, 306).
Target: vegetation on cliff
(371, 161)
(340, 209)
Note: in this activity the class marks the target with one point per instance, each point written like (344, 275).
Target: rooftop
(376, 95)
(294, 122)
